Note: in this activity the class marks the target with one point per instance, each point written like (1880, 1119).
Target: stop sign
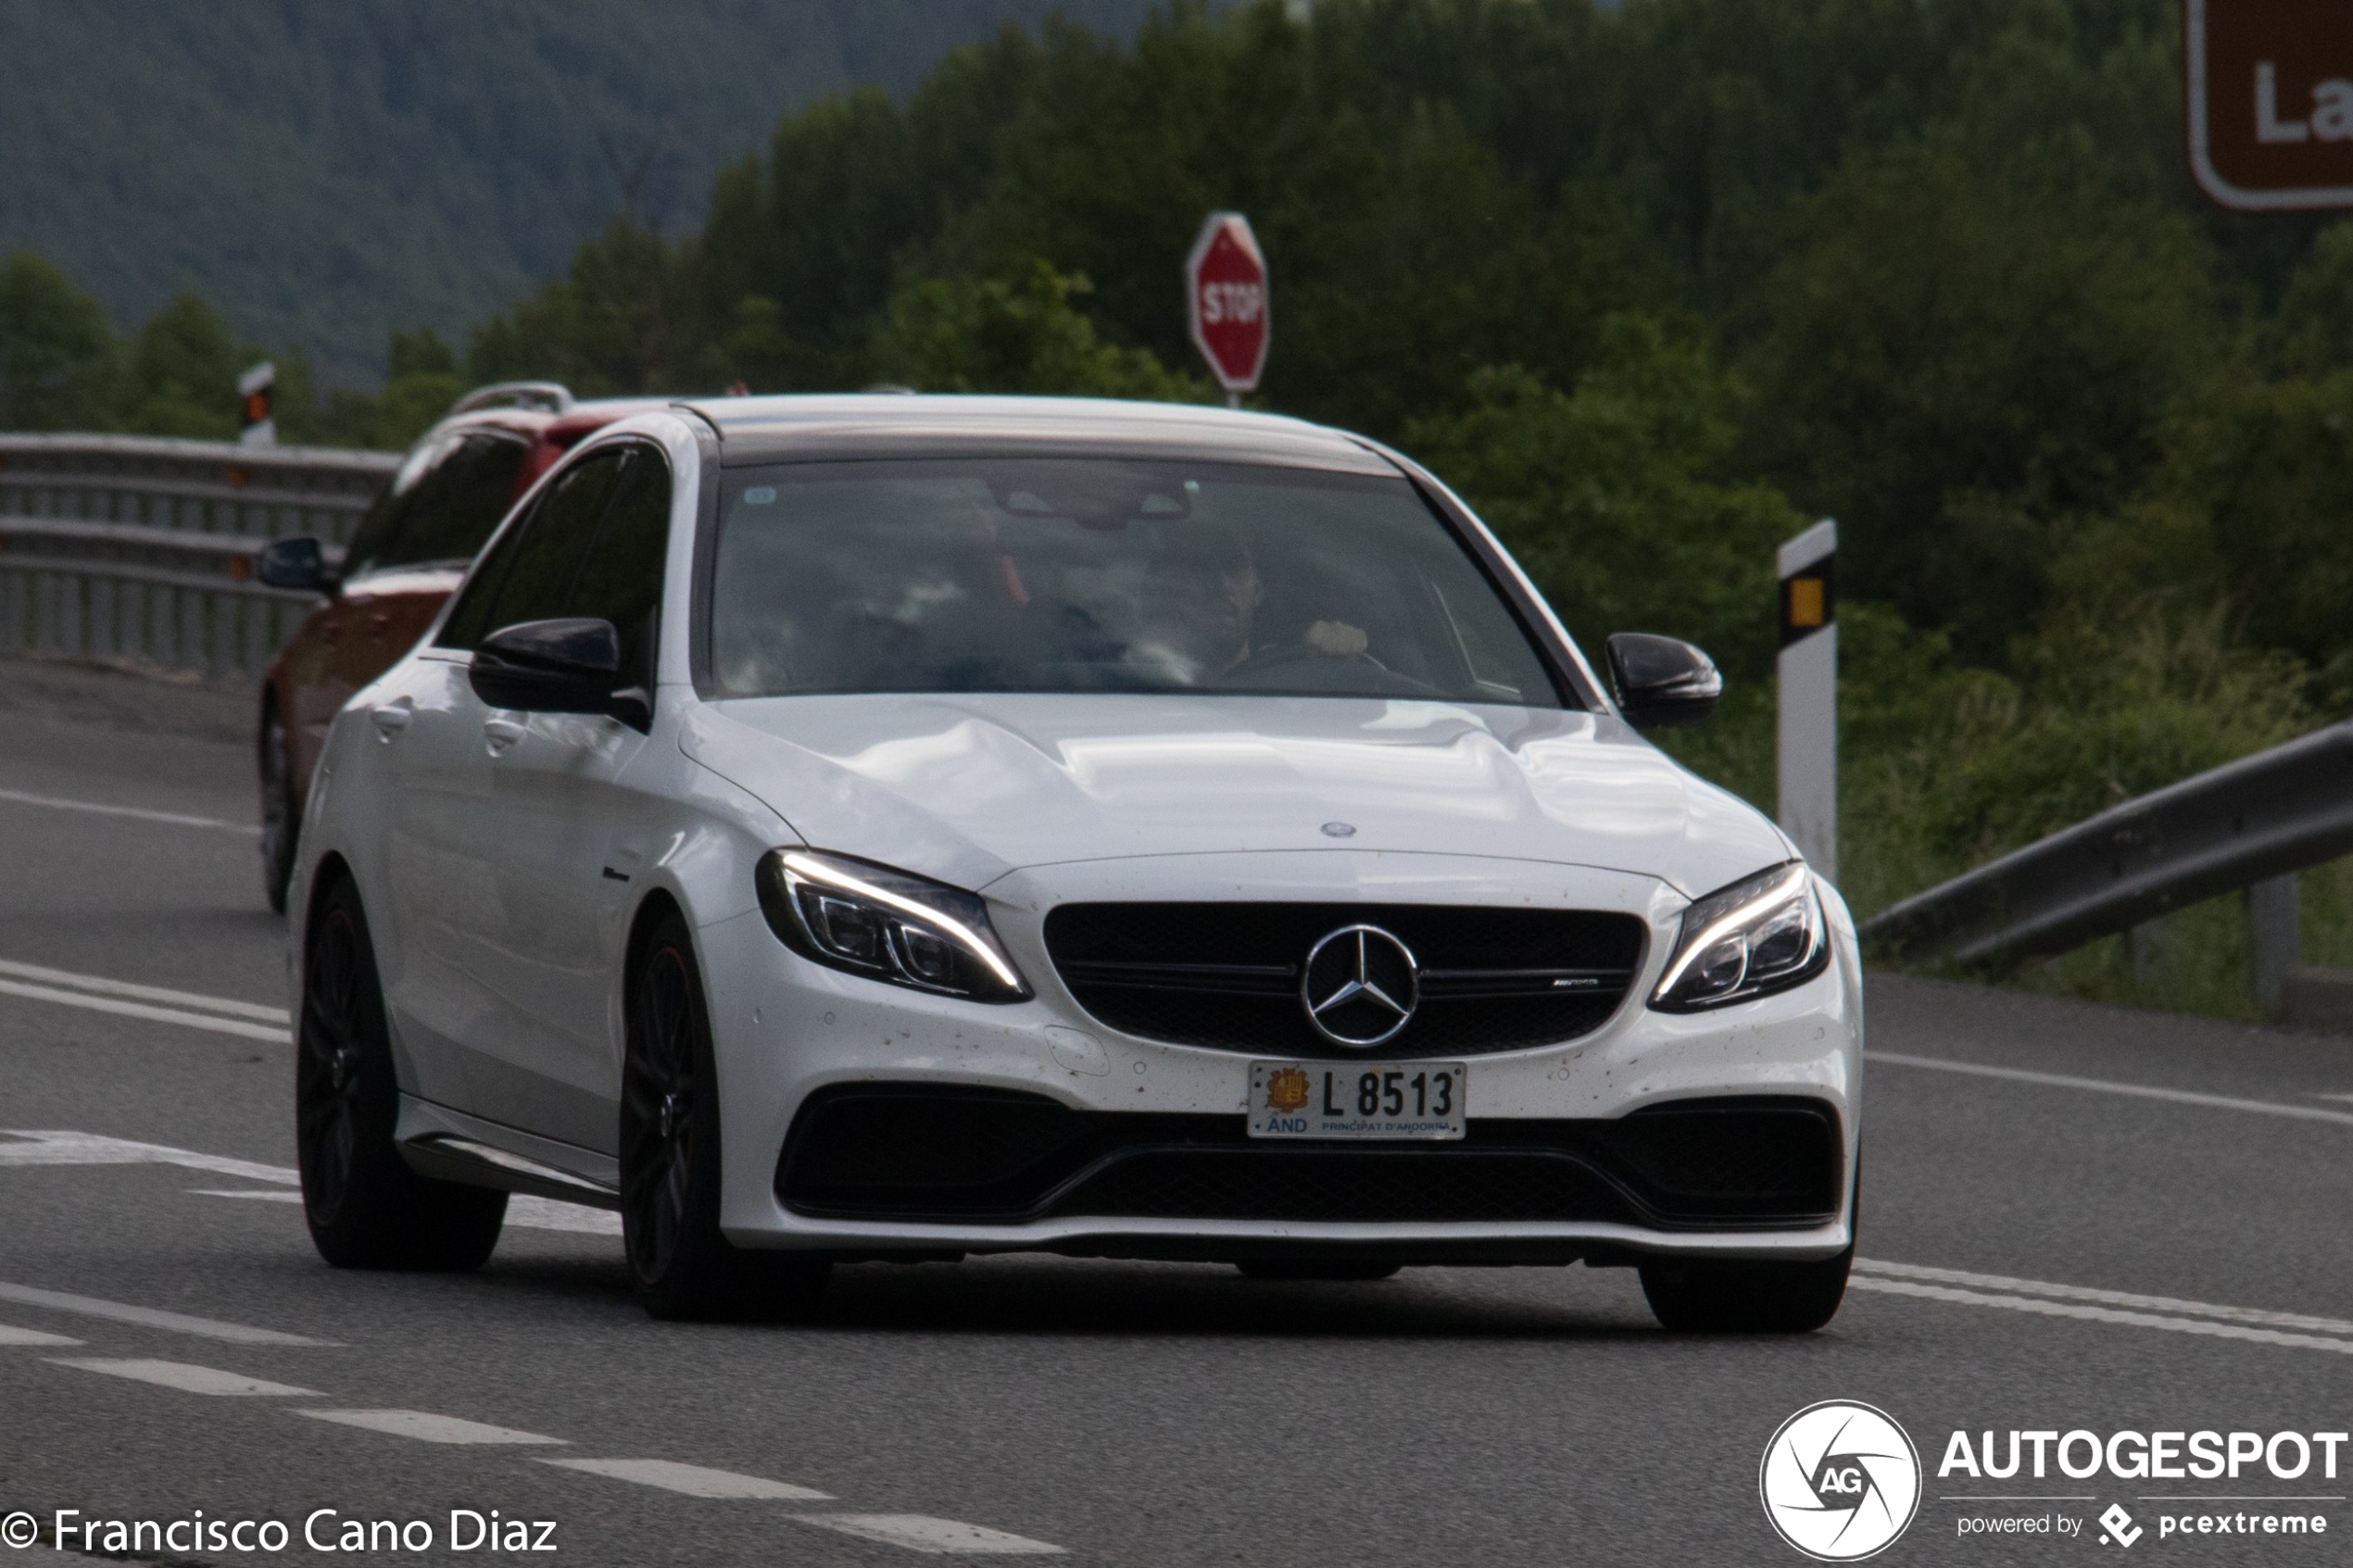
(1226, 300)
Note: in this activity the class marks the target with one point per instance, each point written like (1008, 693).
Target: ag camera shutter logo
(1841, 1481)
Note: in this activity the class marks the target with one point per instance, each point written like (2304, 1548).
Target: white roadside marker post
(257, 406)
(1808, 752)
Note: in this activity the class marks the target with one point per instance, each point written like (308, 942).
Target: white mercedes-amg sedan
(829, 828)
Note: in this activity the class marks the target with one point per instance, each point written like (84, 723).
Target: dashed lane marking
(34, 1336)
(2102, 1086)
(426, 1427)
(150, 1317)
(2256, 1316)
(692, 1479)
(271, 1033)
(106, 987)
(138, 813)
(2100, 1314)
(180, 1375)
(60, 1147)
(93, 1149)
(522, 1208)
(920, 1532)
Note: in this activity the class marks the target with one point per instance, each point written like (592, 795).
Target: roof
(562, 428)
(811, 429)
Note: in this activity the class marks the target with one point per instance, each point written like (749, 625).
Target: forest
(1652, 285)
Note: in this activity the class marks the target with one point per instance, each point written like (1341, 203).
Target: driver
(1202, 613)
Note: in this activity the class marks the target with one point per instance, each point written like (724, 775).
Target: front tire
(670, 1156)
(1741, 1296)
(366, 1208)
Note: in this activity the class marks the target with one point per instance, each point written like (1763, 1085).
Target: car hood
(967, 788)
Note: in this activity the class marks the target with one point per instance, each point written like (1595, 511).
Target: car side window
(441, 505)
(460, 503)
(527, 575)
(375, 543)
(619, 579)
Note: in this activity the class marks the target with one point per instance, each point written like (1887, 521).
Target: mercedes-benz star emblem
(1360, 987)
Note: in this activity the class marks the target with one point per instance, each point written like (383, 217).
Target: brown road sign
(2269, 95)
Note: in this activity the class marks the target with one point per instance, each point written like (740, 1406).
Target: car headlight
(886, 925)
(1761, 934)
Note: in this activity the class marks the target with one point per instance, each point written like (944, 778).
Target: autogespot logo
(1840, 1481)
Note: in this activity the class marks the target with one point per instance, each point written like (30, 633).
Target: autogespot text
(2145, 1456)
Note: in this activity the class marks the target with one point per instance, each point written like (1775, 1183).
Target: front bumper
(1161, 1121)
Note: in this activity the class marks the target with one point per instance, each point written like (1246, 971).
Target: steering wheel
(1283, 654)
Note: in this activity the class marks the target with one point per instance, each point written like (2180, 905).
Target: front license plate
(1329, 1100)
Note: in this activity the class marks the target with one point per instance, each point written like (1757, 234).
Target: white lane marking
(920, 1532)
(177, 819)
(180, 1375)
(547, 1214)
(2102, 1086)
(150, 1317)
(271, 1033)
(2254, 1315)
(107, 987)
(63, 1148)
(2101, 1315)
(523, 1209)
(691, 1479)
(426, 1427)
(32, 1337)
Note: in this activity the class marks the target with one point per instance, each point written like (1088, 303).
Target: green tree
(1018, 332)
(1952, 358)
(183, 370)
(1614, 494)
(57, 355)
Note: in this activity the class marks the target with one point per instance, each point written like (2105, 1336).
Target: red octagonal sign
(1225, 297)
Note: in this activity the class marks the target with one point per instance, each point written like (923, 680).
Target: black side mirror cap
(299, 564)
(565, 665)
(1662, 681)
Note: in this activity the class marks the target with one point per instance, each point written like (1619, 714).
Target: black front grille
(917, 1153)
(1228, 975)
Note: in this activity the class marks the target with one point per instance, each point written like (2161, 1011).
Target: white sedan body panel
(503, 859)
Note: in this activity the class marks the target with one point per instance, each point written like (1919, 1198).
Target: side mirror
(299, 564)
(1662, 681)
(568, 666)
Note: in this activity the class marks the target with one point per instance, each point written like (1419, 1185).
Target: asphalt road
(1124, 1413)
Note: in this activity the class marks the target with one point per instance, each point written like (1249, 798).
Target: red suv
(406, 558)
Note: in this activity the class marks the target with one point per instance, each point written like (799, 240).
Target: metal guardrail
(130, 548)
(2245, 822)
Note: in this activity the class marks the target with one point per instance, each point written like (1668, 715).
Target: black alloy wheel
(281, 823)
(366, 1208)
(669, 1157)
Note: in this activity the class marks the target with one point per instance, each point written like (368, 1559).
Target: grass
(2193, 960)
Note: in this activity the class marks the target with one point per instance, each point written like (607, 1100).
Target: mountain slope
(327, 172)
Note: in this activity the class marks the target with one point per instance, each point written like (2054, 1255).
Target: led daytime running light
(813, 870)
(1790, 885)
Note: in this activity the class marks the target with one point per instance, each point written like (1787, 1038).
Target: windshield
(1098, 575)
